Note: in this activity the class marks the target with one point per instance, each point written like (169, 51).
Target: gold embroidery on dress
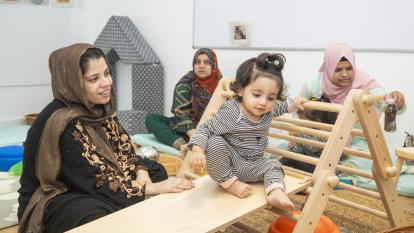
(123, 150)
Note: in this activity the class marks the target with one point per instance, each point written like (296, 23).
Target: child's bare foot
(278, 198)
(240, 189)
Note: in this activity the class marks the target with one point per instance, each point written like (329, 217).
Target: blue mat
(10, 155)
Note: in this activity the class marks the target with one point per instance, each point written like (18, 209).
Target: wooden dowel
(297, 139)
(359, 153)
(302, 122)
(314, 161)
(354, 171)
(313, 124)
(296, 172)
(358, 206)
(405, 152)
(359, 190)
(328, 107)
(318, 144)
(355, 205)
(294, 128)
(293, 155)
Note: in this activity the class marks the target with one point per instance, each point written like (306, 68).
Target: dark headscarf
(67, 85)
(202, 89)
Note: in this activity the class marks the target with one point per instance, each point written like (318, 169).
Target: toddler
(231, 144)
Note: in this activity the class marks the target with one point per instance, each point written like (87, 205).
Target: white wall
(28, 33)
(167, 27)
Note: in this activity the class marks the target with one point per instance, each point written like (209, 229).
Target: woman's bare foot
(240, 189)
(278, 198)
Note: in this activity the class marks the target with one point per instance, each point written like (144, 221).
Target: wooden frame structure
(209, 208)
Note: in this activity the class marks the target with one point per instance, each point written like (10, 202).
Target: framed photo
(63, 3)
(239, 32)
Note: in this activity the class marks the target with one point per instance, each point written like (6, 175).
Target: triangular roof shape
(121, 35)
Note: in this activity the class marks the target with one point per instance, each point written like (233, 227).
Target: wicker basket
(405, 229)
(30, 118)
(171, 163)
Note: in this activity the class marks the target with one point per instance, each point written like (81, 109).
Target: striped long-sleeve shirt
(247, 138)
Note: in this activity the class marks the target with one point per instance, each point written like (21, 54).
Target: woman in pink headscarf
(338, 75)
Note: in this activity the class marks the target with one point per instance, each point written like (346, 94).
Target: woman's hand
(170, 185)
(398, 98)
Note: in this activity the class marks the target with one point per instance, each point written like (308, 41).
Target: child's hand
(298, 101)
(197, 160)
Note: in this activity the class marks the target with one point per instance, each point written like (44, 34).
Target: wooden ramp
(206, 208)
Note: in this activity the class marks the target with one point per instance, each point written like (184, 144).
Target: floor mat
(8, 199)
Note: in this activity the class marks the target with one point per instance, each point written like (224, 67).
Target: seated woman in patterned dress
(79, 163)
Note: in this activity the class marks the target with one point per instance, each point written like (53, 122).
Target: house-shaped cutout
(122, 41)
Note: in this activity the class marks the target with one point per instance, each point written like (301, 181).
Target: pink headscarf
(333, 54)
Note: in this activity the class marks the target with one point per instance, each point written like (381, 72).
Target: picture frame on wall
(63, 3)
(239, 32)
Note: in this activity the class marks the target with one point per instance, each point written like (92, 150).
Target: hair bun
(274, 60)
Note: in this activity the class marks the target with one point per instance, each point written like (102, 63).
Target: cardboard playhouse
(122, 42)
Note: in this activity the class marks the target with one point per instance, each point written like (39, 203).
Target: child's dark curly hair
(321, 116)
(265, 65)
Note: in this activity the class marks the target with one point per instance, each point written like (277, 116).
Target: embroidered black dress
(95, 189)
